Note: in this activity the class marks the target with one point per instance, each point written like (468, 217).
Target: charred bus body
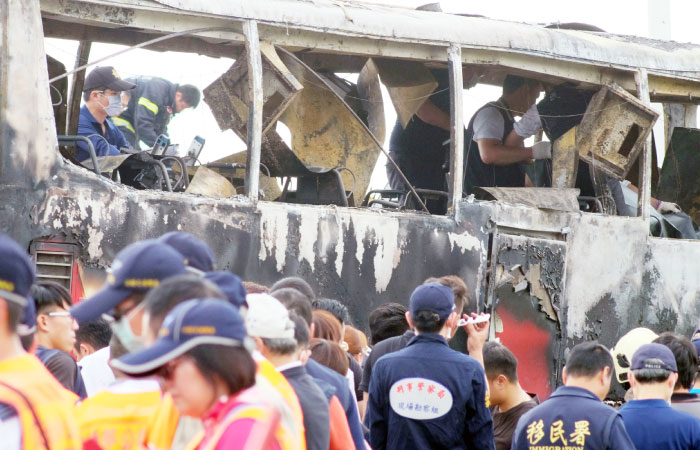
(550, 274)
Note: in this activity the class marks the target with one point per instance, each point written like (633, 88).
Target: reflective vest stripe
(123, 123)
(149, 105)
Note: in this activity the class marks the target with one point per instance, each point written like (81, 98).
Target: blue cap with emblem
(139, 267)
(230, 285)
(16, 271)
(189, 324)
(433, 297)
(197, 254)
(654, 356)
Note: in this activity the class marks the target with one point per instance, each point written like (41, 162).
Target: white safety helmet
(624, 350)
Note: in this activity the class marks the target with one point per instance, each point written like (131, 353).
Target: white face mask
(122, 330)
(115, 105)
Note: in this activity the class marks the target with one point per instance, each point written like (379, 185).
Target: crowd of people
(173, 354)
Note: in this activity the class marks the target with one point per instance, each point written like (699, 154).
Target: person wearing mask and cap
(199, 257)
(101, 93)
(35, 410)
(136, 269)
(650, 421)
(428, 395)
(203, 360)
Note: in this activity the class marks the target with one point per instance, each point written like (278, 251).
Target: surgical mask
(115, 105)
(122, 330)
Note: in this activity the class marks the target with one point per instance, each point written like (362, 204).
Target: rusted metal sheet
(614, 131)
(678, 182)
(544, 198)
(208, 182)
(565, 160)
(409, 84)
(325, 132)
(227, 96)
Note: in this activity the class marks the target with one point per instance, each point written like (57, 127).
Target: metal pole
(76, 89)
(454, 57)
(644, 196)
(255, 109)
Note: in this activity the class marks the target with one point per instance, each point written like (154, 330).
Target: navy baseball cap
(230, 285)
(106, 77)
(189, 324)
(433, 297)
(139, 267)
(197, 254)
(16, 272)
(654, 356)
(695, 339)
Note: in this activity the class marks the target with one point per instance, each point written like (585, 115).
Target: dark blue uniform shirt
(428, 396)
(107, 144)
(653, 424)
(571, 418)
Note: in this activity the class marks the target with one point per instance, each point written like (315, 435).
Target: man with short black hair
(489, 161)
(55, 334)
(574, 414)
(91, 337)
(509, 400)
(687, 362)
(102, 104)
(151, 105)
(650, 421)
(428, 395)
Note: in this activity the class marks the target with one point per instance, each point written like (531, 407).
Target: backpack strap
(607, 430)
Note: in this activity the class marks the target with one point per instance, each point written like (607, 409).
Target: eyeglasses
(60, 314)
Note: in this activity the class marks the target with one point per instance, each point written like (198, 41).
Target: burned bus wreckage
(551, 265)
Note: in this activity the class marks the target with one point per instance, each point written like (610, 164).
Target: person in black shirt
(509, 401)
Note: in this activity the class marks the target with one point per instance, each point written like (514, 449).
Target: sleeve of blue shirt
(102, 147)
(121, 141)
(377, 410)
(478, 432)
(619, 439)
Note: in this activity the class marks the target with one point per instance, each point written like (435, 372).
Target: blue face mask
(115, 105)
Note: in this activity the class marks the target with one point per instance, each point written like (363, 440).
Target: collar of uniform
(684, 397)
(574, 391)
(650, 403)
(86, 112)
(427, 337)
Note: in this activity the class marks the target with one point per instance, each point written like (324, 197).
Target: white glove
(542, 150)
(529, 124)
(668, 207)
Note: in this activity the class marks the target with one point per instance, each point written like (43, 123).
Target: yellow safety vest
(132, 420)
(44, 407)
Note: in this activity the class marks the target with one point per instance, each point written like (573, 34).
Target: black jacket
(150, 107)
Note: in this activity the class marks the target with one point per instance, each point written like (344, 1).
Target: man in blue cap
(199, 257)
(31, 400)
(136, 269)
(650, 421)
(428, 395)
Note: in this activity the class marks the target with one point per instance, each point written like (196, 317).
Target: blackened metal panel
(527, 285)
